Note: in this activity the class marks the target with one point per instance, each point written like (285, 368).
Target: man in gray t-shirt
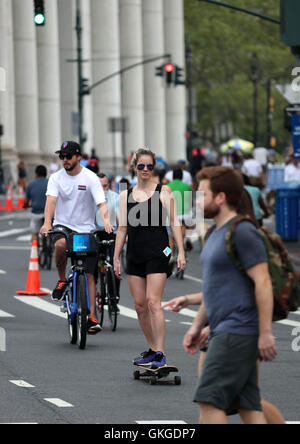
(240, 322)
(36, 196)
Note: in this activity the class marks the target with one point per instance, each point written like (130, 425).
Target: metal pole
(79, 68)
(246, 11)
(189, 61)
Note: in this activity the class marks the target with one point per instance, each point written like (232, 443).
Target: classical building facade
(38, 108)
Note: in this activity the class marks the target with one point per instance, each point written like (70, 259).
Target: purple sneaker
(145, 358)
(158, 361)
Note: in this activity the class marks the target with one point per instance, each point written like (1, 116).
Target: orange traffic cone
(33, 277)
(9, 203)
(21, 199)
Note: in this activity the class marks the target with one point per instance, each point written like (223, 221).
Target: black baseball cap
(70, 148)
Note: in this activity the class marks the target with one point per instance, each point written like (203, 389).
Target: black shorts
(90, 262)
(229, 378)
(152, 266)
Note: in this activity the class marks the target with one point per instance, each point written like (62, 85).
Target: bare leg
(250, 417)
(155, 288)
(137, 287)
(212, 415)
(61, 259)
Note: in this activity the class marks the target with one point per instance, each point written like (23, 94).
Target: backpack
(285, 279)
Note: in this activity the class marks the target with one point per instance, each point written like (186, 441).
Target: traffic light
(290, 31)
(169, 69)
(179, 72)
(39, 13)
(159, 71)
(84, 87)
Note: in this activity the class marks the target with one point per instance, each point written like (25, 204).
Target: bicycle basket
(81, 245)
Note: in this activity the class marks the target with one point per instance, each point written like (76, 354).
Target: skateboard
(155, 374)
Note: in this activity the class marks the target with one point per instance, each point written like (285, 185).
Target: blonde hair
(142, 152)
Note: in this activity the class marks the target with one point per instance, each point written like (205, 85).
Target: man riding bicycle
(71, 196)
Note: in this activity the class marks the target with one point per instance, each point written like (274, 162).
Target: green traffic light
(39, 19)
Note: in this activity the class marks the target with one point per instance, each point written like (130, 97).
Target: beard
(211, 211)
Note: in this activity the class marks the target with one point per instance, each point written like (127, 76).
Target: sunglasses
(142, 166)
(66, 156)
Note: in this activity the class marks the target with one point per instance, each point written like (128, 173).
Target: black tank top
(146, 227)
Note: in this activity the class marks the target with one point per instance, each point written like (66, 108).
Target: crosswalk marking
(22, 384)
(41, 304)
(58, 402)
(13, 232)
(3, 314)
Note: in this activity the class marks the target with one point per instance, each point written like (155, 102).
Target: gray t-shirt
(229, 302)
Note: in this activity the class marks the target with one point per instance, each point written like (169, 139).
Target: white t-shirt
(291, 173)
(77, 197)
(252, 168)
(187, 177)
(261, 155)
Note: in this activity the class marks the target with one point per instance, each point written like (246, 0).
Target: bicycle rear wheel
(72, 319)
(112, 299)
(82, 311)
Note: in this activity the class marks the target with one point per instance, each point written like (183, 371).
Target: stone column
(107, 96)
(7, 97)
(68, 70)
(175, 97)
(132, 82)
(153, 46)
(49, 83)
(26, 81)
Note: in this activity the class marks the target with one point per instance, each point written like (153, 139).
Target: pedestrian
(71, 196)
(143, 211)
(253, 169)
(292, 170)
(22, 173)
(240, 319)
(260, 208)
(36, 198)
(187, 177)
(271, 413)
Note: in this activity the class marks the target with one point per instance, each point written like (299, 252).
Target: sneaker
(93, 326)
(158, 361)
(145, 358)
(59, 291)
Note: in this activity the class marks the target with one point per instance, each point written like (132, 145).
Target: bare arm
(169, 203)
(49, 215)
(121, 234)
(264, 301)
(181, 302)
(192, 339)
(103, 208)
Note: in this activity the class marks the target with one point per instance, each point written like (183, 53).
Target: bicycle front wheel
(112, 299)
(82, 311)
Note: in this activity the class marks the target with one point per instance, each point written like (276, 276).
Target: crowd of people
(149, 209)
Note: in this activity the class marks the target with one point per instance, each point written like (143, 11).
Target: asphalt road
(44, 379)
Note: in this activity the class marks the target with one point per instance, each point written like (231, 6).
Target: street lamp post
(80, 71)
(254, 77)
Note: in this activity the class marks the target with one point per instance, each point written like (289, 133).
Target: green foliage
(223, 42)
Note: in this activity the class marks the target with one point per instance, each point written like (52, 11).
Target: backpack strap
(232, 249)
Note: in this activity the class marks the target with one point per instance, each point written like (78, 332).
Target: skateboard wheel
(136, 375)
(177, 380)
(152, 380)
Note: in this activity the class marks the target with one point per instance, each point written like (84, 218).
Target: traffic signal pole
(246, 11)
(82, 138)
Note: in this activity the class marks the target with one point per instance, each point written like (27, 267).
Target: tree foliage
(223, 42)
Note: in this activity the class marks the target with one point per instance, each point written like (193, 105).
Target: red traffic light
(169, 67)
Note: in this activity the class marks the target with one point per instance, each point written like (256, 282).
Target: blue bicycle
(76, 299)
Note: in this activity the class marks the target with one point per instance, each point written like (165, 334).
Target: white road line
(40, 304)
(2, 272)
(13, 248)
(186, 323)
(21, 383)
(293, 422)
(3, 314)
(58, 402)
(192, 278)
(162, 422)
(26, 238)
(13, 232)
(289, 322)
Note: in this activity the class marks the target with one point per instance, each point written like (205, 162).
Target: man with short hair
(240, 318)
(72, 195)
(36, 197)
